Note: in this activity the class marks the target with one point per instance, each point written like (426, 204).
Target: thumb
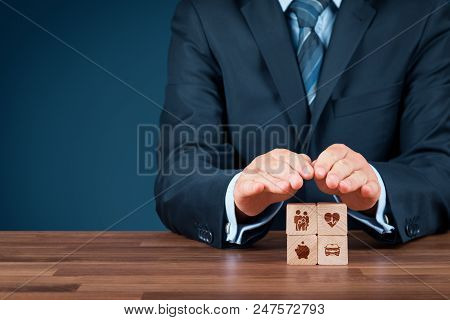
(249, 188)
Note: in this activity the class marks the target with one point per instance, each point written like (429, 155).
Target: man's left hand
(345, 173)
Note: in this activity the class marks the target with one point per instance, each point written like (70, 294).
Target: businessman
(360, 90)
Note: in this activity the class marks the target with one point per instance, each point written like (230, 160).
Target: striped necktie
(303, 15)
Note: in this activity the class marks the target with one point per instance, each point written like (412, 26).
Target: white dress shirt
(234, 230)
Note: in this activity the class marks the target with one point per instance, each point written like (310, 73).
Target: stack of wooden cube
(317, 234)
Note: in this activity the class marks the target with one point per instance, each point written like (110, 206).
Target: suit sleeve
(197, 161)
(417, 180)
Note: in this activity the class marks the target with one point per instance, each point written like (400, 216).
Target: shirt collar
(285, 3)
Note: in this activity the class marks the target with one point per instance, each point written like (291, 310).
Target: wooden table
(161, 265)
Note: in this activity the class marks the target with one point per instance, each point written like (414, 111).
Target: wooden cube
(332, 250)
(332, 219)
(301, 219)
(302, 250)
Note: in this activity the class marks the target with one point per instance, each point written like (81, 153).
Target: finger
(300, 163)
(328, 158)
(283, 171)
(249, 188)
(273, 184)
(305, 156)
(370, 190)
(353, 182)
(340, 170)
(307, 168)
(290, 176)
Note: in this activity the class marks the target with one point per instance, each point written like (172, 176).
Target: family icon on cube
(301, 221)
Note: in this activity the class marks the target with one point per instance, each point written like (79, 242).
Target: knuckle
(272, 161)
(325, 154)
(361, 177)
(273, 166)
(345, 163)
(258, 158)
(359, 157)
(329, 157)
(277, 151)
(248, 171)
(339, 146)
(353, 180)
(252, 166)
(305, 157)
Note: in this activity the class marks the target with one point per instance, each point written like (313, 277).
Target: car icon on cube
(332, 249)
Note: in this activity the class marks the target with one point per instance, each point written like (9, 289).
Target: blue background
(68, 128)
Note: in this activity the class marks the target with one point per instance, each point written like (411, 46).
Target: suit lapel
(352, 21)
(268, 25)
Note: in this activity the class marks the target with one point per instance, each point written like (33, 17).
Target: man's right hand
(272, 177)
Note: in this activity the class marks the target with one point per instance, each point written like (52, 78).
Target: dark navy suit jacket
(384, 92)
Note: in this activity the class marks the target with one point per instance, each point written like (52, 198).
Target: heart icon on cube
(332, 218)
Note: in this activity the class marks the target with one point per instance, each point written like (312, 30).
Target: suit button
(409, 230)
(208, 237)
(416, 230)
(201, 234)
(205, 236)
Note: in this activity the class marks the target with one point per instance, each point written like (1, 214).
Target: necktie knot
(307, 11)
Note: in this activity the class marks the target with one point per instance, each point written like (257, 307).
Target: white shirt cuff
(233, 229)
(379, 223)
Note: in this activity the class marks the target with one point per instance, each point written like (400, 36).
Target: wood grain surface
(161, 265)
